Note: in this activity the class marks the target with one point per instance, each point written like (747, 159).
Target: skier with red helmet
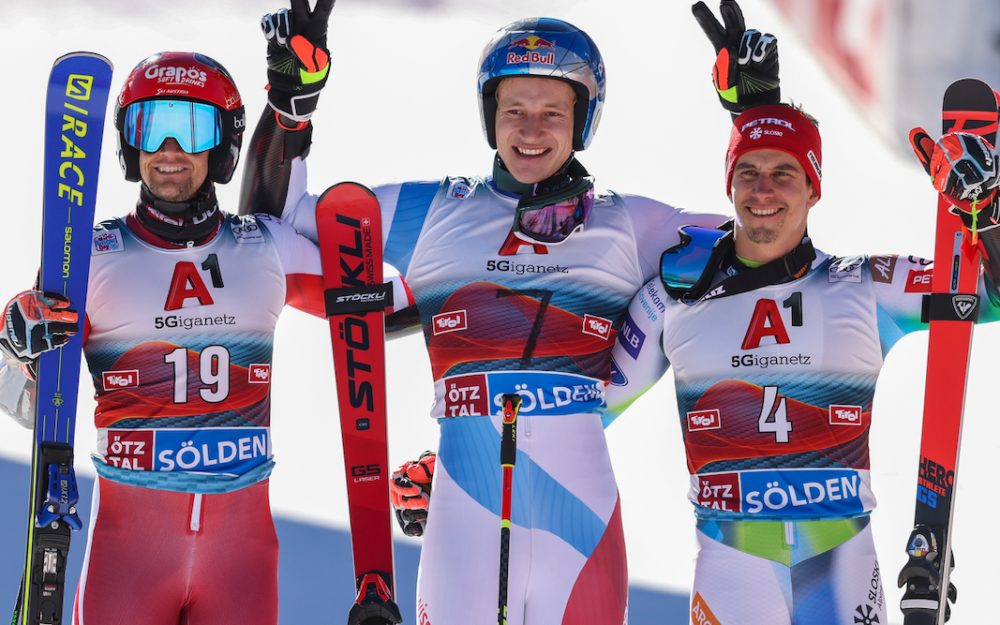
(182, 305)
(511, 299)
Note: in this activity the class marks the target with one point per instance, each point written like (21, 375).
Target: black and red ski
(348, 219)
(951, 309)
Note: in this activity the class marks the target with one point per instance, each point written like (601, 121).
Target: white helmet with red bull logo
(549, 48)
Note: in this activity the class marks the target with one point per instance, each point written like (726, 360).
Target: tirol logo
(845, 415)
(466, 395)
(964, 305)
(452, 321)
(719, 491)
(114, 380)
(704, 420)
(597, 326)
(532, 44)
(259, 374)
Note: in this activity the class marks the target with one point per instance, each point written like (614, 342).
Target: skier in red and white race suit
(511, 297)
(182, 305)
(776, 348)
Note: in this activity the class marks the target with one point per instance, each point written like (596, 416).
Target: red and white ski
(348, 219)
(951, 309)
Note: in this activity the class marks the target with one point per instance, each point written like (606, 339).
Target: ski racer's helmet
(549, 48)
(185, 96)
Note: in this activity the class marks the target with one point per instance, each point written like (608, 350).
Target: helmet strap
(193, 220)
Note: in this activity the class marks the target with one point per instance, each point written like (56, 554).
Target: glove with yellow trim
(746, 63)
(298, 62)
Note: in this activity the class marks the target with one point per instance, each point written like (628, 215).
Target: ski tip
(83, 53)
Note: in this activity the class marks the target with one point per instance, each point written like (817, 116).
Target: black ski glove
(298, 62)
(746, 64)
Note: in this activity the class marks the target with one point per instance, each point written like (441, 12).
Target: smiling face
(772, 197)
(171, 173)
(534, 126)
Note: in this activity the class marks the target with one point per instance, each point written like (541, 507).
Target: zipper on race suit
(196, 510)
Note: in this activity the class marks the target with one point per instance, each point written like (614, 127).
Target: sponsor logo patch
(108, 241)
(845, 415)
(704, 420)
(845, 270)
(882, 268)
(460, 189)
(114, 380)
(597, 326)
(466, 395)
(918, 281)
(631, 337)
(452, 321)
(246, 231)
(259, 374)
(130, 449)
(719, 491)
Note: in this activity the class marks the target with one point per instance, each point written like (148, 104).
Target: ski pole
(511, 403)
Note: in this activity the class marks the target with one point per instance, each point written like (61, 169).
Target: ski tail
(76, 102)
(348, 219)
(951, 310)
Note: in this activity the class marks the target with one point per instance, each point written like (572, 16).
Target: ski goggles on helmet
(195, 126)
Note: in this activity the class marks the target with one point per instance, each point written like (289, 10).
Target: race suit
(178, 340)
(774, 392)
(502, 315)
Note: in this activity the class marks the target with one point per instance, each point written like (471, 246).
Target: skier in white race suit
(182, 305)
(776, 347)
(519, 279)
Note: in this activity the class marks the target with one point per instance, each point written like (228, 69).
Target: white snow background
(401, 105)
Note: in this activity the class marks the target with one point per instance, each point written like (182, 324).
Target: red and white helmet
(185, 96)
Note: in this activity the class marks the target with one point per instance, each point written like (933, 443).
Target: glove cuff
(296, 107)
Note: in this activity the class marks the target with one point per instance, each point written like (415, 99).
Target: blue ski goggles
(553, 222)
(196, 127)
(684, 265)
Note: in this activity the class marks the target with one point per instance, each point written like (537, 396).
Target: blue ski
(76, 102)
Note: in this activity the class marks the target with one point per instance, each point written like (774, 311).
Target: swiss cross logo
(597, 326)
(704, 420)
(452, 321)
(114, 380)
(845, 415)
(918, 281)
(130, 449)
(719, 491)
(259, 374)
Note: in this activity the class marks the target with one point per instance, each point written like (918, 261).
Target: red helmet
(182, 77)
